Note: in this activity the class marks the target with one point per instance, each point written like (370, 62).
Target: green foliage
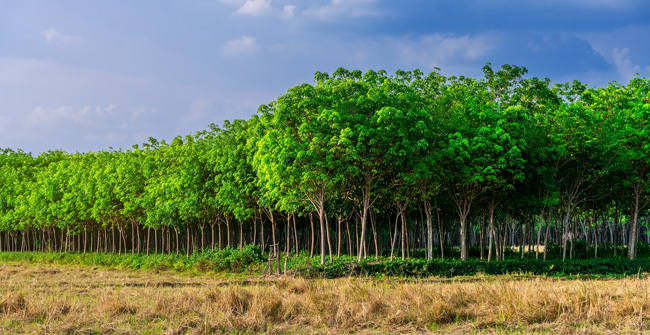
(452, 268)
(357, 147)
(227, 260)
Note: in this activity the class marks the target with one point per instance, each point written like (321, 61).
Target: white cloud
(52, 35)
(255, 8)
(235, 3)
(244, 45)
(622, 48)
(435, 50)
(261, 8)
(349, 8)
(141, 111)
(288, 11)
(624, 66)
(87, 116)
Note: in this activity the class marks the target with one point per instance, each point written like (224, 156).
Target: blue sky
(89, 75)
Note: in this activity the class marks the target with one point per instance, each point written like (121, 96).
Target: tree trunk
(187, 246)
(482, 241)
(178, 247)
(374, 234)
(427, 213)
(394, 239)
(565, 236)
(347, 225)
(228, 231)
(634, 224)
(548, 222)
(338, 235)
(441, 233)
(313, 235)
(241, 234)
(364, 218)
(329, 243)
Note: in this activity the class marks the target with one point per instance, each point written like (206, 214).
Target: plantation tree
(580, 133)
(17, 173)
(130, 190)
(372, 111)
(540, 187)
(413, 128)
(485, 149)
(234, 178)
(427, 172)
(265, 192)
(296, 157)
(204, 143)
(161, 192)
(632, 106)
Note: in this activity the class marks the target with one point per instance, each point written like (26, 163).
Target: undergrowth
(244, 260)
(250, 260)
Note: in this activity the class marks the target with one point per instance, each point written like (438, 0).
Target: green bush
(226, 260)
(453, 268)
(250, 259)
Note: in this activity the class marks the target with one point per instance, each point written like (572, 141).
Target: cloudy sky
(89, 75)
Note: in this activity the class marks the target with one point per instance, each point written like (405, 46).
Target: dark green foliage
(229, 259)
(249, 259)
(423, 268)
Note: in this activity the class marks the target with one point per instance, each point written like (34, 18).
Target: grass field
(90, 300)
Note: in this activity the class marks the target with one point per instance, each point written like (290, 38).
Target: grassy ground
(94, 300)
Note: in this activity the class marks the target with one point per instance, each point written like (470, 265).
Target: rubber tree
(234, 177)
(484, 149)
(631, 106)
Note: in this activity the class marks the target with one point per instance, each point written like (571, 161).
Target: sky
(87, 76)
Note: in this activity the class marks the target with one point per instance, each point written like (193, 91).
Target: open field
(65, 299)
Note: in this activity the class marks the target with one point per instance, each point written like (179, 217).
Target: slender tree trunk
(212, 223)
(241, 234)
(338, 235)
(427, 213)
(493, 233)
(565, 236)
(132, 238)
(374, 234)
(187, 232)
(482, 241)
(321, 219)
(548, 222)
(403, 232)
(263, 241)
(178, 247)
(347, 224)
(394, 239)
(364, 217)
(287, 239)
(313, 235)
(634, 224)
(329, 243)
(441, 233)
(228, 231)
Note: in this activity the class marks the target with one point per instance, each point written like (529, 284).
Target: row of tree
(359, 163)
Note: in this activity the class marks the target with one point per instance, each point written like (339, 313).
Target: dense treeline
(362, 164)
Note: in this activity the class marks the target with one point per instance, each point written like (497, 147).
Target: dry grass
(56, 299)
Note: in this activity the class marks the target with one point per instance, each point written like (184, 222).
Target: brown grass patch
(57, 299)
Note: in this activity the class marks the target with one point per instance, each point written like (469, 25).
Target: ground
(48, 298)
